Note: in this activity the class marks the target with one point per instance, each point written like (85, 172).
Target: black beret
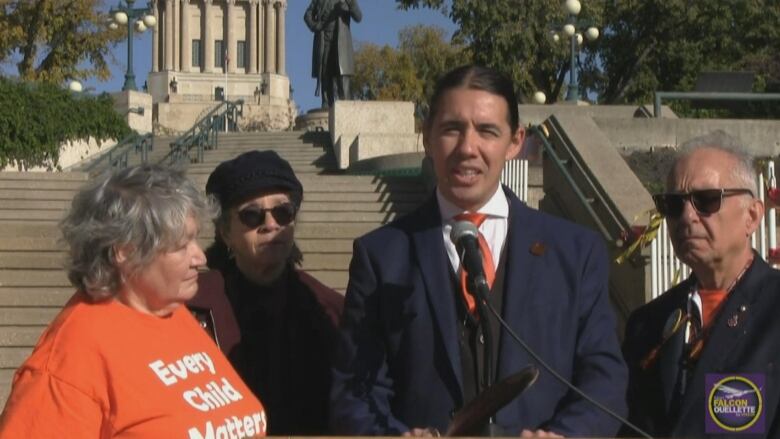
(250, 173)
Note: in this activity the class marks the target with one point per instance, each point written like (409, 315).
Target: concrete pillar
(168, 34)
(281, 11)
(207, 41)
(156, 39)
(230, 36)
(251, 42)
(261, 36)
(176, 35)
(270, 38)
(186, 39)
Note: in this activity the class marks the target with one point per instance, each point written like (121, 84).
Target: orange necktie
(487, 258)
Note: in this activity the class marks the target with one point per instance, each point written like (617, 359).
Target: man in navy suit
(696, 346)
(411, 348)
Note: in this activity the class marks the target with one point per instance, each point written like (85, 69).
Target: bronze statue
(332, 57)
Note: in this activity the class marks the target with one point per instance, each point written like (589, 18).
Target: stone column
(156, 39)
(261, 36)
(186, 39)
(270, 40)
(281, 11)
(176, 35)
(251, 42)
(207, 41)
(168, 34)
(230, 36)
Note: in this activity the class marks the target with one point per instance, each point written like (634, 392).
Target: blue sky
(380, 25)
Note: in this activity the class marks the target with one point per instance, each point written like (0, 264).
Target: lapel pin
(537, 248)
(733, 321)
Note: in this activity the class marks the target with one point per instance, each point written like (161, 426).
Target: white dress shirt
(494, 229)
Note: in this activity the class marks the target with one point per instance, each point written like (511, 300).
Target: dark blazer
(399, 367)
(750, 343)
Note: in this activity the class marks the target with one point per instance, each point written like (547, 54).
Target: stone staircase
(336, 209)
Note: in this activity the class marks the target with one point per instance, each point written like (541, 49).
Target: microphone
(465, 235)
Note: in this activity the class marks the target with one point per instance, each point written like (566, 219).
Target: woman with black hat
(285, 319)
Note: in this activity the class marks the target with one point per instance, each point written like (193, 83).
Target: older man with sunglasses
(703, 357)
(278, 323)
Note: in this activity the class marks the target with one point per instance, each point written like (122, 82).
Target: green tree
(515, 38)
(647, 45)
(39, 117)
(666, 44)
(56, 40)
(408, 72)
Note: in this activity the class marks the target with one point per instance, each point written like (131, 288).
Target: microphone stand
(478, 288)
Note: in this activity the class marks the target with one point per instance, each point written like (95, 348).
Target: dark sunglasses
(253, 217)
(704, 201)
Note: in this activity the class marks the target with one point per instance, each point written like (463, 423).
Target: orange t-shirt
(104, 370)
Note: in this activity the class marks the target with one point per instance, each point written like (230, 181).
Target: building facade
(205, 51)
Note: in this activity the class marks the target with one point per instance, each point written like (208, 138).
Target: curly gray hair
(145, 207)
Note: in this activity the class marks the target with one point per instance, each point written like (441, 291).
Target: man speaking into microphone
(412, 342)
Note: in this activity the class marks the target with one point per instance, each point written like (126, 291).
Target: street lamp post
(135, 18)
(570, 29)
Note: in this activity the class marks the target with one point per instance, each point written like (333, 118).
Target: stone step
(308, 206)
(31, 215)
(331, 261)
(33, 278)
(20, 336)
(41, 176)
(32, 259)
(6, 377)
(311, 248)
(13, 357)
(53, 259)
(29, 296)
(289, 152)
(42, 185)
(28, 315)
(27, 193)
(41, 236)
(59, 205)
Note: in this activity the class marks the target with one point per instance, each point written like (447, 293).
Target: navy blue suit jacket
(743, 339)
(398, 364)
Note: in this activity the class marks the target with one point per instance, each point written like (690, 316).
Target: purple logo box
(734, 403)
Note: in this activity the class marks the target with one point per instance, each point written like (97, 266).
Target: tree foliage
(647, 45)
(409, 72)
(39, 117)
(56, 40)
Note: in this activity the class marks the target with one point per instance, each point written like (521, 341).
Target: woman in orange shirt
(124, 358)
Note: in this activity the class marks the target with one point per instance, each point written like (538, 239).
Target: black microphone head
(461, 229)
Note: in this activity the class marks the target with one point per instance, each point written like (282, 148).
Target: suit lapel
(520, 263)
(434, 269)
(670, 355)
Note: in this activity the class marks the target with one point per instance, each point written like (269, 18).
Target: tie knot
(474, 218)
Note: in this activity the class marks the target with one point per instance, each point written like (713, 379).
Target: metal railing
(667, 270)
(204, 134)
(119, 155)
(597, 205)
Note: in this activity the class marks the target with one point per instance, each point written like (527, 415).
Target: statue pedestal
(313, 120)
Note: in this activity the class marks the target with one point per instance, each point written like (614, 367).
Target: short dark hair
(476, 78)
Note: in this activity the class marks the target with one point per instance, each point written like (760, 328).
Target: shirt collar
(497, 206)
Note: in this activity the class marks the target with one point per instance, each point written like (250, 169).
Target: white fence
(666, 270)
(515, 175)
